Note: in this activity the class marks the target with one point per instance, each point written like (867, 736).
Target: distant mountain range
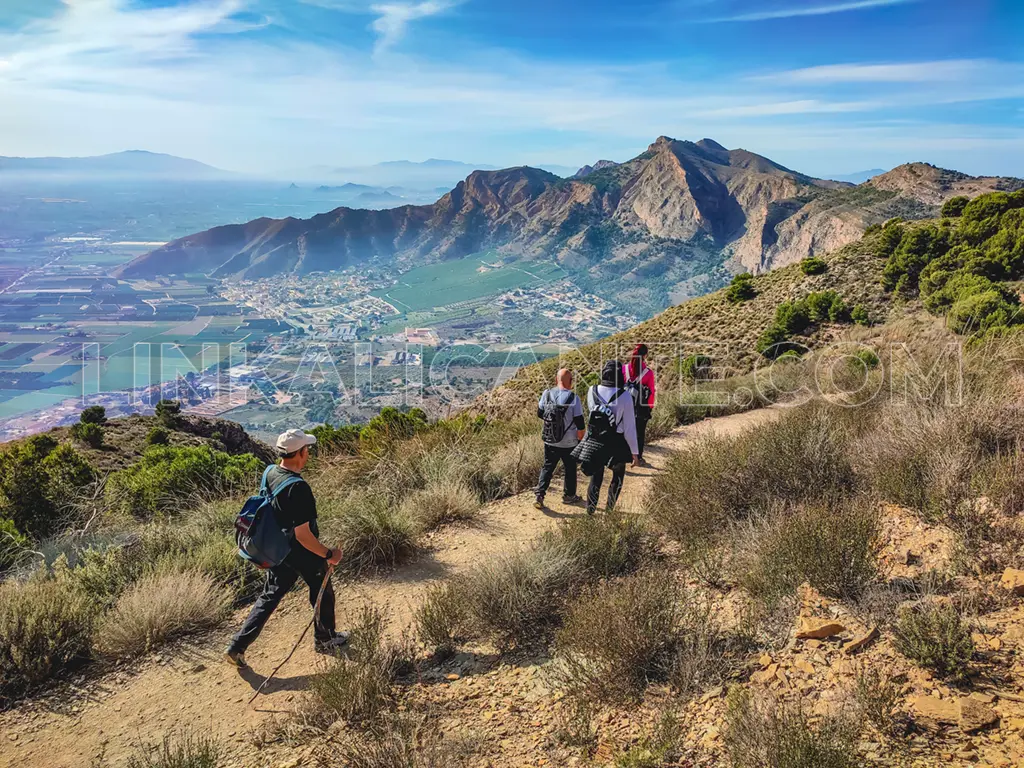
(133, 164)
(643, 229)
(860, 176)
(429, 174)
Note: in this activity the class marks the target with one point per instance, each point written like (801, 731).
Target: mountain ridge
(655, 221)
(128, 163)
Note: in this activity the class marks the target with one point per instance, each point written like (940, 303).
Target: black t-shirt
(295, 505)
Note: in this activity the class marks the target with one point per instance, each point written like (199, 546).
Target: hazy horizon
(260, 86)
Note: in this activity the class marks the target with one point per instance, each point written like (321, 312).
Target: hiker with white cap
(294, 511)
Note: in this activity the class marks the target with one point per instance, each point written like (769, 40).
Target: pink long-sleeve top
(646, 380)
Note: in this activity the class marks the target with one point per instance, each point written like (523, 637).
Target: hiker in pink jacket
(640, 382)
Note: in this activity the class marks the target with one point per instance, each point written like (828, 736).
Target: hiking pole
(316, 618)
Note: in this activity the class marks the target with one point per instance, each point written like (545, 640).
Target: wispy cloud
(392, 18)
(808, 10)
(180, 79)
(947, 71)
(395, 18)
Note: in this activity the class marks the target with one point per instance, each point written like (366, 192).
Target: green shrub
(94, 414)
(12, 544)
(157, 608)
(168, 412)
(954, 207)
(158, 436)
(935, 636)
(813, 266)
(390, 425)
(695, 368)
(868, 358)
(796, 317)
(859, 315)
(618, 636)
(358, 687)
(331, 440)
(88, 433)
(39, 480)
(741, 288)
(169, 478)
(774, 735)
(45, 628)
(833, 547)
(185, 750)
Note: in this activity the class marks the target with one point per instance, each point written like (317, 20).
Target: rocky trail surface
(188, 687)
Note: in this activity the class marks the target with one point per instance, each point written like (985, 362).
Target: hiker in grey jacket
(614, 445)
(562, 412)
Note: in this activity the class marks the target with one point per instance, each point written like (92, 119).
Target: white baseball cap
(294, 440)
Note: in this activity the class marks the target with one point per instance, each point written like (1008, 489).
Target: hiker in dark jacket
(562, 413)
(611, 435)
(640, 381)
(295, 512)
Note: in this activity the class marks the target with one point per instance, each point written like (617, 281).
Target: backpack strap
(263, 481)
(285, 483)
(615, 397)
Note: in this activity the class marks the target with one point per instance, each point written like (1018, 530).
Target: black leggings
(280, 579)
(614, 488)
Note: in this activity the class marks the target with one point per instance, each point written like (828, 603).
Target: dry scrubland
(837, 586)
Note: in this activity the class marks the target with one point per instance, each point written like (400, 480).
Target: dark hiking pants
(280, 579)
(594, 491)
(552, 455)
(643, 417)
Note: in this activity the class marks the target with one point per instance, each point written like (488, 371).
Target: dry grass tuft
(157, 608)
(440, 503)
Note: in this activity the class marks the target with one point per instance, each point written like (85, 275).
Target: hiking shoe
(591, 509)
(538, 503)
(571, 499)
(235, 659)
(336, 641)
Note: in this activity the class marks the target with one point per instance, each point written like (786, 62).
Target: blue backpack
(260, 540)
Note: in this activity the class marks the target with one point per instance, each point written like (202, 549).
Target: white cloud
(810, 10)
(948, 71)
(105, 75)
(394, 18)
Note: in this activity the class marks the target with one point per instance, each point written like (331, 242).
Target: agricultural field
(474, 277)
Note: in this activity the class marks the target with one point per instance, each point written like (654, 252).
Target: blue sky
(824, 86)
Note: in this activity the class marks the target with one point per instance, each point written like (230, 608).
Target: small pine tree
(860, 315)
(813, 266)
(88, 432)
(954, 207)
(168, 412)
(94, 414)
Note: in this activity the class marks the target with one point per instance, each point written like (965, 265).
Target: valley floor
(189, 687)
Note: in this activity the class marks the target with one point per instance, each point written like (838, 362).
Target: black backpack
(602, 417)
(640, 391)
(554, 418)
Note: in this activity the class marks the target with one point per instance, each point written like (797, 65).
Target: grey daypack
(554, 417)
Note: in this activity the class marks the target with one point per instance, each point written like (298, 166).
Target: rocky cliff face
(658, 221)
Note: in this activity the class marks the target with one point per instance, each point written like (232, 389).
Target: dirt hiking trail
(188, 686)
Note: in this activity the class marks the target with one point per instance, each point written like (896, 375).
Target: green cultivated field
(452, 282)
